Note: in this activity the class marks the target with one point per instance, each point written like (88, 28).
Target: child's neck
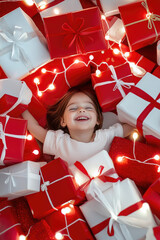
(82, 136)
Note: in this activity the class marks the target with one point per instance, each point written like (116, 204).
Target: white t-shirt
(62, 145)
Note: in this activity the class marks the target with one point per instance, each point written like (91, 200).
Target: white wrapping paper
(17, 89)
(110, 204)
(22, 45)
(20, 179)
(92, 166)
(62, 7)
(132, 106)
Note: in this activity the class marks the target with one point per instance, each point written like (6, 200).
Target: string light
(43, 70)
(29, 2)
(98, 73)
(22, 237)
(65, 210)
(76, 61)
(51, 86)
(58, 236)
(120, 159)
(36, 80)
(156, 157)
(42, 5)
(35, 152)
(116, 51)
(56, 11)
(135, 136)
(29, 137)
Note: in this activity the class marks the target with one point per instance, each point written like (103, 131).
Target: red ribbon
(76, 33)
(152, 104)
(105, 177)
(51, 4)
(99, 5)
(99, 227)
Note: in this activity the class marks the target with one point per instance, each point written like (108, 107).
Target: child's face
(80, 114)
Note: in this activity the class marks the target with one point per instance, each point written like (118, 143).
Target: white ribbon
(23, 91)
(3, 136)
(119, 82)
(45, 184)
(15, 37)
(114, 210)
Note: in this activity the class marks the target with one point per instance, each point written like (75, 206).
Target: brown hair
(56, 111)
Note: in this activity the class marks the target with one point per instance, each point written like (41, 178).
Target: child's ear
(63, 124)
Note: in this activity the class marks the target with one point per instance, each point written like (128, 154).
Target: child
(74, 124)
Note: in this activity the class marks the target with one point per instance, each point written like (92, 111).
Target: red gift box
(112, 85)
(75, 33)
(71, 225)
(152, 196)
(143, 18)
(138, 162)
(156, 72)
(12, 140)
(2, 74)
(61, 74)
(103, 59)
(32, 150)
(10, 227)
(57, 188)
(7, 101)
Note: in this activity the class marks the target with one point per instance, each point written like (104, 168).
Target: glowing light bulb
(22, 237)
(107, 37)
(135, 136)
(36, 80)
(119, 159)
(54, 70)
(98, 73)
(126, 54)
(156, 157)
(76, 61)
(43, 70)
(103, 17)
(39, 93)
(65, 210)
(148, 15)
(51, 86)
(137, 70)
(35, 152)
(91, 57)
(158, 170)
(58, 236)
(42, 5)
(29, 137)
(29, 2)
(116, 51)
(102, 52)
(56, 11)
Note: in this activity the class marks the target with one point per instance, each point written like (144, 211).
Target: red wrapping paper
(152, 196)
(135, 20)
(107, 88)
(2, 74)
(76, 73)
(142, 174)
(8, 6)
(110, 58)
(62, 188)
(156, 72)
(10, 228)
(74, 33)
(77, 227)
(14, 151)
(7, 101)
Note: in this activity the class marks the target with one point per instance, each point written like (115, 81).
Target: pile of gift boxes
(47, 47)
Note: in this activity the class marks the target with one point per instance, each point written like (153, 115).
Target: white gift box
(17, 89)
(110, 7)
(22, 45)
(116, 32)
(20, 179)
(92, 166)
(131, 106)
(109, 206)
(50, 8)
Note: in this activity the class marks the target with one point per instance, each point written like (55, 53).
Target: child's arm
(127, 129)
(34, 127)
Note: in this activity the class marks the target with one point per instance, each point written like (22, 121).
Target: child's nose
(81, 109)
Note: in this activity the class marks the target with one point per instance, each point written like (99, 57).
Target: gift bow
(74, 33)
(15, 38)
(119, 82)
(150, 16)
(105, 177)
(118, 215)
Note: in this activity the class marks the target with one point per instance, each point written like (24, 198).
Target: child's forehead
(80, 97)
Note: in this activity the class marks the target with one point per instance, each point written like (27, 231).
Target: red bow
(76, 33)
(105, 177)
